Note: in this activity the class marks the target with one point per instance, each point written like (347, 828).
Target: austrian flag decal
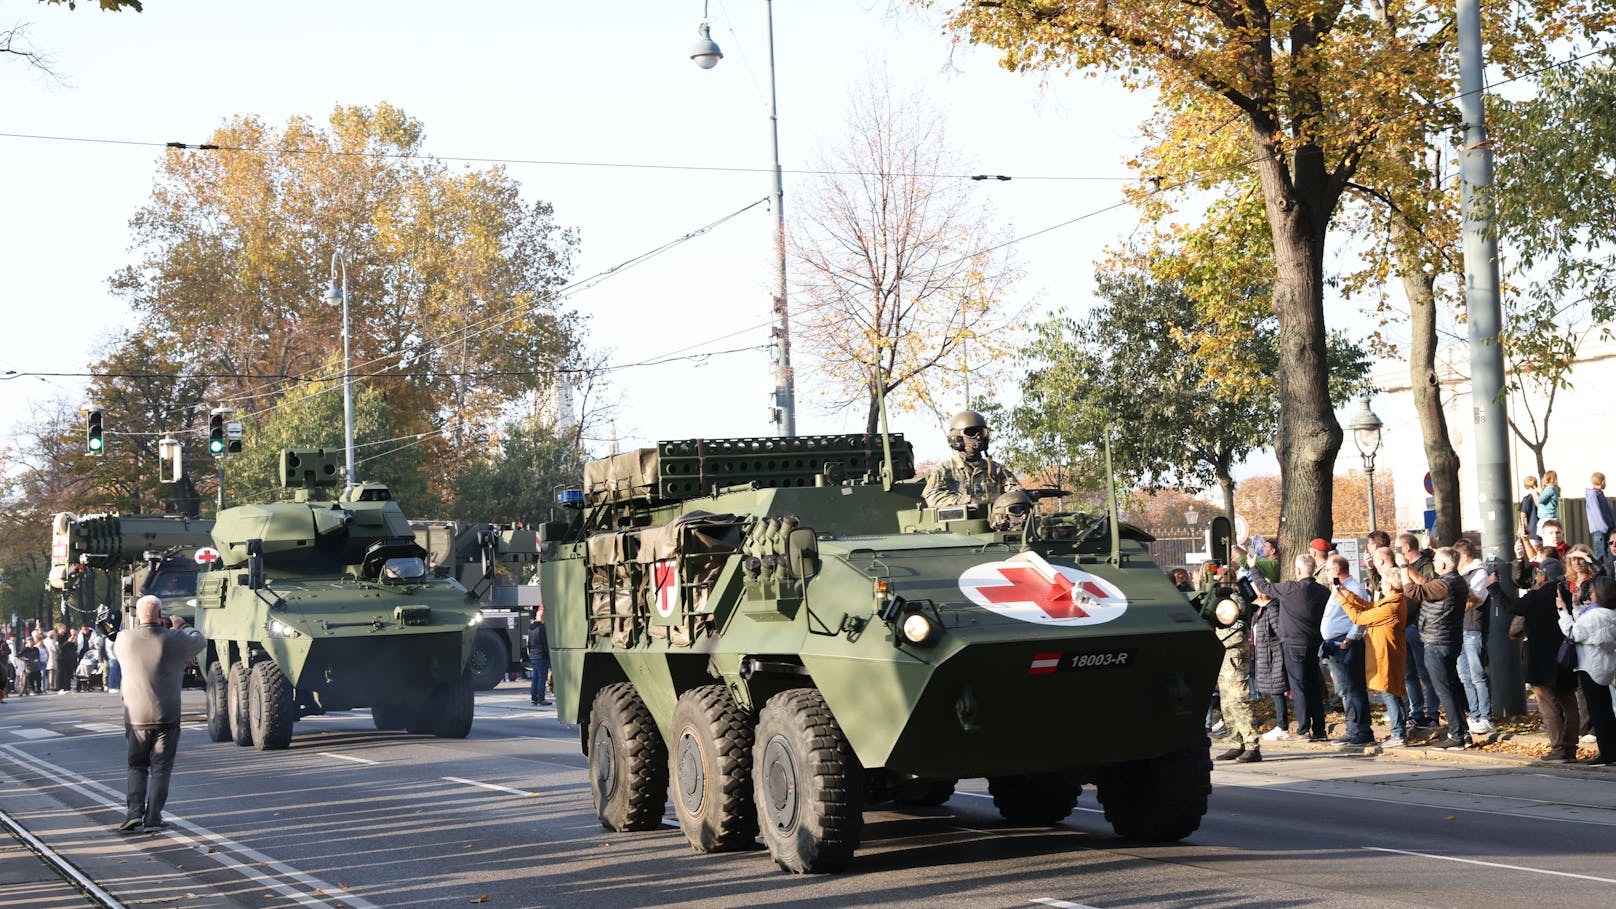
(1028, 588)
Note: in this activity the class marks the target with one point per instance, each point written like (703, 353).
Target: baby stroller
(90, 674)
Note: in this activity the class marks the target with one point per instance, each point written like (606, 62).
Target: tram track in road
(69, 872)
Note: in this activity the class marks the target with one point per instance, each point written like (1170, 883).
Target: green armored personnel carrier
(492, 560)
(158, 555)
(325, 603)
(786, 638)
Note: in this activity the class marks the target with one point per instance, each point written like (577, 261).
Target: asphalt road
(352, 817)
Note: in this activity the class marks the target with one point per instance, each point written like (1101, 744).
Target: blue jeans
(1473, 675)
(1442, 661)
(1307, 687)
(1396, 715)
(540, 667)
(1422, 700)
(1347, 672)
(114, 674)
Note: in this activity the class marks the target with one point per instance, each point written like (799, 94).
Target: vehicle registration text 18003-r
(1044, 663)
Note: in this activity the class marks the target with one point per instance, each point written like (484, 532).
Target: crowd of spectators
(38, 659)
(1414, 632)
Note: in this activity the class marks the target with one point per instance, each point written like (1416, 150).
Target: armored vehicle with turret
(496, 561)
(785, 632)
(324, 602)
(158, 555)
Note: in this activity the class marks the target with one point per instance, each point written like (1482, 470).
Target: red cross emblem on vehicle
(1030, 589)
(206, 556)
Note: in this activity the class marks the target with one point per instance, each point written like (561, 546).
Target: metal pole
(1486, 354)
(784, 382)
(347, 373)
(1369, 468)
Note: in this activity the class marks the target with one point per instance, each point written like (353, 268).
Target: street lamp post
(706, 55)
(1366, 429)
(339, 294)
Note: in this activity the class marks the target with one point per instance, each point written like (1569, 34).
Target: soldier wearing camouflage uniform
(970, 477)
(1224, 613)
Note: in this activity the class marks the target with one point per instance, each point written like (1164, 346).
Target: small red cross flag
(665, 577)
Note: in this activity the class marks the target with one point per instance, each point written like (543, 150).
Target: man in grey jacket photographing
(153, 655)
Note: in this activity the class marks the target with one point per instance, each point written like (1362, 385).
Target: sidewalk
(1503, 748)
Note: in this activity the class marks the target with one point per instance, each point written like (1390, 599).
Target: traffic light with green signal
(95, 441)
(216, 443)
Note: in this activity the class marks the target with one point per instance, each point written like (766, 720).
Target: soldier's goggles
(974, 431)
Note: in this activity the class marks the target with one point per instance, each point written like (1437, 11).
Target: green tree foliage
(451, 274)
(310, 416)
(517, 485)
(1556, 216)
(1131, 369)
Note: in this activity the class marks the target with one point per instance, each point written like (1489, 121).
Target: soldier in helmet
(970, 477)
(1010, 512)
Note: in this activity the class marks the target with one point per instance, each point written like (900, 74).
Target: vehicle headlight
(280, 629)
(191, 602)
(919, 628)
(476, 619)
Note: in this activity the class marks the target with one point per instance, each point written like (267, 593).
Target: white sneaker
(1589, 739)
(1275, 734)
(1481, 727)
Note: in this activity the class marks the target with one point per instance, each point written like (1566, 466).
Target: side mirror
(802, 548)
(255, 564)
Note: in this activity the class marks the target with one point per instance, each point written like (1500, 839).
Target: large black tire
(1159, 800)
(218, 703)
(711, 770)
(271, 707)
(452, 705)
(389, 717)
(1034, 801)
(628, 762)
(236, 684)
(928, 793)
(807, 783)
(490, 657)
(418, 717)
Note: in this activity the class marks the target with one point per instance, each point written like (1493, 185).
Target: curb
(1426, 753)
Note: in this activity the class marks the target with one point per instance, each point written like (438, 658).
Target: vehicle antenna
(886, 437)
(1111, 503)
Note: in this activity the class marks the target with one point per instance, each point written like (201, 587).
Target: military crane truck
(158, 555)
(494, 561)
(324, 602)
(782, 629)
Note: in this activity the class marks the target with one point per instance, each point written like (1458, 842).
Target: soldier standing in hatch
(970, 477)
(154, 653)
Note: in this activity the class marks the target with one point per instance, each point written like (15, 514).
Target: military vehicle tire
(807, 783)
(451, 709)
(389, 717)
(488, 661)
(711, 770)
(927, 793)
(1043, 800)
(270, 707)
(418, 718)
(218, 703)
(1160, 800)
(237, 682)
(628, 762)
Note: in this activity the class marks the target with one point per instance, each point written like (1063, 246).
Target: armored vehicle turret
(325, 603)
(786, 636)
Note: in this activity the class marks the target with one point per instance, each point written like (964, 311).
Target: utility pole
(1487, 356)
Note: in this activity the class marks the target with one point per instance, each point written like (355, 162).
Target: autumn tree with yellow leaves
(1306, 98)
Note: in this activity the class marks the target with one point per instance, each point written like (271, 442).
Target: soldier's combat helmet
(967, 420)
(1010, 511)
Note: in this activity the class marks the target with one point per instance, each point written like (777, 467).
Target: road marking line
(1449, 858)
(100, 727)
(456, 779)
(113, 800)
(1058, 904)
(346, 757)
(33, 734)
